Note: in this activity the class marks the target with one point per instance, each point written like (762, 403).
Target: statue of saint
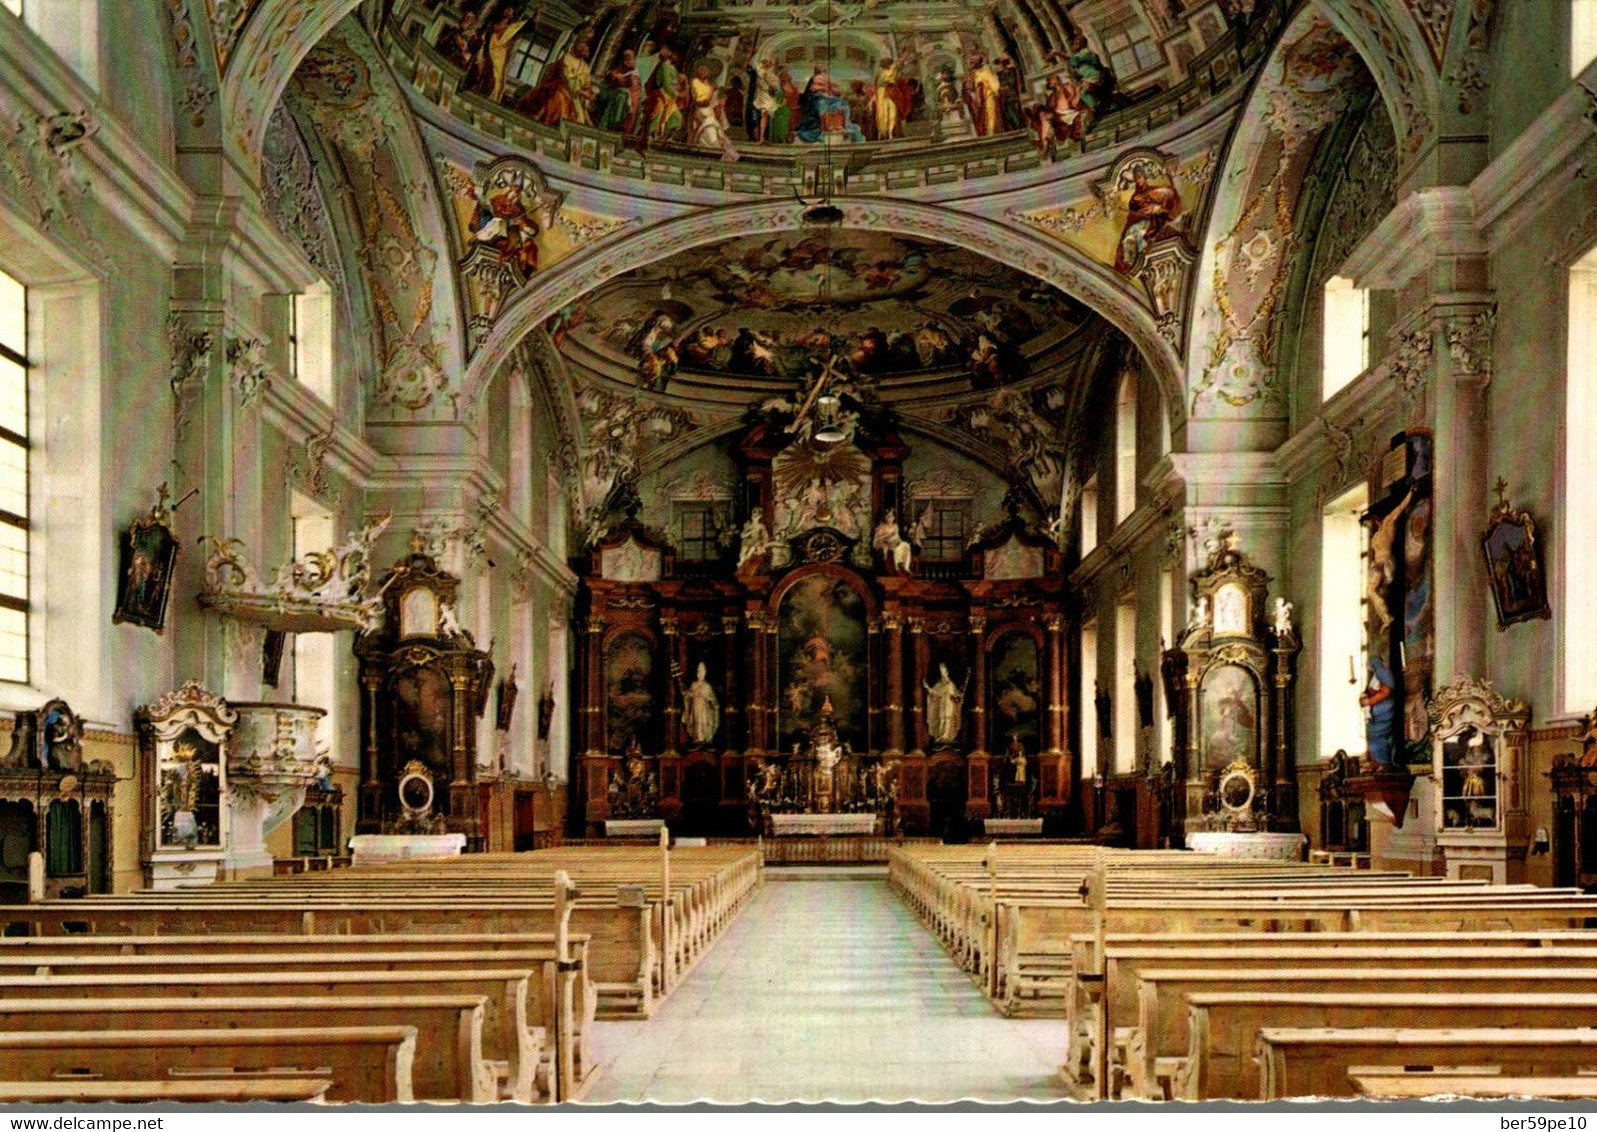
(755, 539)
(895, 548)
(1017, 760)
(701, 710)
(943, 701)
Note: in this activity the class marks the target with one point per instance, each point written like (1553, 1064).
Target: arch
(1388, 39)
(274, 41)
(1051, 262)
(1249, 241)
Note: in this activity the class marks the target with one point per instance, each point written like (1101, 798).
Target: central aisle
(827, 989)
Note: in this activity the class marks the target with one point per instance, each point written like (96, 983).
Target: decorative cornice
(1539, 164)
(134, 185)
(1423, 228)
(1360, 410)
(298, 415)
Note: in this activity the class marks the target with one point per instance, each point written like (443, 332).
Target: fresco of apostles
(653, 83)
(747, 306)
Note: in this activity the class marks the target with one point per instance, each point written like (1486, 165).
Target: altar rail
(806, 850)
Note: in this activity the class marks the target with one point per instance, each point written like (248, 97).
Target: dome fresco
(773, 306)
(745, 80)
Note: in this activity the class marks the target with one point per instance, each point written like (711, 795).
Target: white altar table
(374, 848)
(634, 827)
(798, 825)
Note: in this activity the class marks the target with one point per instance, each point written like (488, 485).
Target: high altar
(820, 662)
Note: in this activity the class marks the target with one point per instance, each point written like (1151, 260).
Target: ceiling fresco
(1313, 79)
(776, 307)
(747, 78)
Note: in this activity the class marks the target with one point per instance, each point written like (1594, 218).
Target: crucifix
(828, 374)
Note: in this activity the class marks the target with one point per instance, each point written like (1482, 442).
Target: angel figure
(1283, 617)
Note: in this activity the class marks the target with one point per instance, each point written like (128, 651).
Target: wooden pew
(448, 1064)
(1161, 1029)
(635, 954)
(507, 1039)
(1124, 963)
(1223, 1027)
(365, 1064)
(1124, 953)
(208, 1090)
(1005, 920)
(1296, 1062)
(1417, 1086)
(95, 955)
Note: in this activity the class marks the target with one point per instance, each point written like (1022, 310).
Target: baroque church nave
(804, 436)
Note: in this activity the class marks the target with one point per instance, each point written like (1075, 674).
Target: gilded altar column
(1058, 707)
(920, 653)
(876, 729)
(767, 645)
(673, 714)
(759, 687)
(592, 731)
(729, 685)
(893, 624)
(371, 788)
(977, 740)
(462, 786)
(1194, 787)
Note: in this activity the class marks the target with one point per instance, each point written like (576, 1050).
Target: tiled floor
(827, 990)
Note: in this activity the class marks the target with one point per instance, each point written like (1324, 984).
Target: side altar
(824, 624)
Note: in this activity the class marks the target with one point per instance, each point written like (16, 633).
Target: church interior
(682, 534)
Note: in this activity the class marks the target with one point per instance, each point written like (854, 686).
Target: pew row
(1223, 1027)
(1299, 1062)
(558, 1000)
(204, 1091)
(370, 1064)
(447, 1062)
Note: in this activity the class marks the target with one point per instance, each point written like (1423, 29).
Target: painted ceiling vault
(613, 197)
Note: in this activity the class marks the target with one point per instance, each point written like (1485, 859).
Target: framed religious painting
(146, 585)
(1514, 564)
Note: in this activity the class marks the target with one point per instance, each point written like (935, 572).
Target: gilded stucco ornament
(322, 592)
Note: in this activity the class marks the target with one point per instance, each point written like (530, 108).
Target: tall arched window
(13, 480)
(1582, 34)
(1089, 517)
(1126, 724)
(1126, 448)
(1345, 334)
(1086, 714)
(312, 336)
(1580, 490)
